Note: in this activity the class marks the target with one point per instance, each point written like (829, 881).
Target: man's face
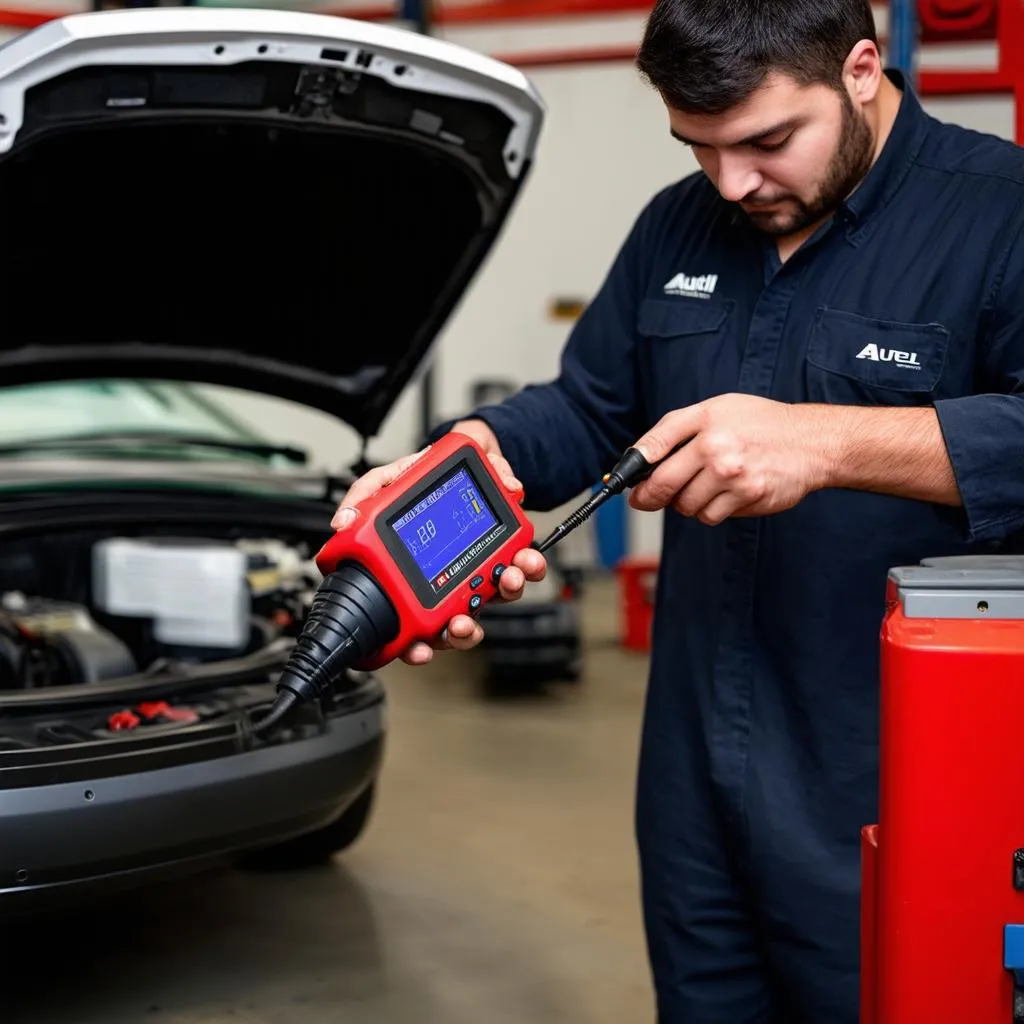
(788, 155)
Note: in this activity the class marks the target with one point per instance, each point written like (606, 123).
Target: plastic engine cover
(194, 591)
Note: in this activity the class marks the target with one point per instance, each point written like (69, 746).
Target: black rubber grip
(630, 470)
(633, 469)
(351, 619)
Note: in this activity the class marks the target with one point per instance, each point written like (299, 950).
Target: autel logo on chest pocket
(907, 360)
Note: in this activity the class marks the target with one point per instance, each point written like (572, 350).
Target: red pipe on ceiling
(526, 10)
(457, 14)
(28, 19)
(564, 58)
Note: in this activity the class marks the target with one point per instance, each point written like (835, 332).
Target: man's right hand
(463, 631)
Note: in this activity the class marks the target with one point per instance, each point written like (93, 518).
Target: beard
(851, 161)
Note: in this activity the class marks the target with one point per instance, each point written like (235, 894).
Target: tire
(316, 847)
(573, 670)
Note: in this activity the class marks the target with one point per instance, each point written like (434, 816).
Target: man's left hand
(745, 456)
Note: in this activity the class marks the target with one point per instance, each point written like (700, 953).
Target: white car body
(287, 203)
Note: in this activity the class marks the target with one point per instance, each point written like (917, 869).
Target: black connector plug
(633, 469)
(629, 471)
(351, 619)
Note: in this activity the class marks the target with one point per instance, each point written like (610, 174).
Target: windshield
(39, 412)
(161, 421)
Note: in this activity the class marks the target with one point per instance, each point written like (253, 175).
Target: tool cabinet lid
(962, 587)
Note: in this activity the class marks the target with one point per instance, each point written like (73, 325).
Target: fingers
(368, 485)
(721, 508)
(674, 427)
(418, 654)
(512, 584)
(659, 490)
(528, 566)
(703, 489)
(461, 634)
(533, 564)
(507, 477)
(464, 633)
(709, 499)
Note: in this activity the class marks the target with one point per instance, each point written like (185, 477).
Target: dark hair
(706, 56)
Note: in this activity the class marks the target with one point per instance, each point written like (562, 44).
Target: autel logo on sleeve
(692, 287)
(908, 360)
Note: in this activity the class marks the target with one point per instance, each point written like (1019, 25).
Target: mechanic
(831, 312)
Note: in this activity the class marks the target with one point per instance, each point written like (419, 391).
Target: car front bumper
(73, 838)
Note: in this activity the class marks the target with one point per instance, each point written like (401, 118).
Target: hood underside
(287, 203)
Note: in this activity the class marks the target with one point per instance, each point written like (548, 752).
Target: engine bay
(200, 618)
(125, 605)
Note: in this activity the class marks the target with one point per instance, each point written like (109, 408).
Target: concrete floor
(496, 883)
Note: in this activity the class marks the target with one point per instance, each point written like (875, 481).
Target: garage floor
(496, 883)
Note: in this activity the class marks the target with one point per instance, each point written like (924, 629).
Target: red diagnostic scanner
(436, 540)
(431, 545)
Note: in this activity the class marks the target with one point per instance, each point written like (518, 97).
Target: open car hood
(284, 202)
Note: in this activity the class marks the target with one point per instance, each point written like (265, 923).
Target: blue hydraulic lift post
(903, 37)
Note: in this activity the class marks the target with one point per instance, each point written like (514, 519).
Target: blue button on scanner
(1013, 951)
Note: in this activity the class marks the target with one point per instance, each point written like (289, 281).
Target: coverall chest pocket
(688, 350)
(859, 360)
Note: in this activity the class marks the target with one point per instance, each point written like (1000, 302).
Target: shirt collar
(894, 162)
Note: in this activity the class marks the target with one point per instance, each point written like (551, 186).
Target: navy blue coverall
(759, 749)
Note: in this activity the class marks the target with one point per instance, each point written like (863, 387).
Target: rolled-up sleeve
(984, 432)
(562, 436)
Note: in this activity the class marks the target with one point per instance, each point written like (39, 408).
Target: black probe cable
(630, 470)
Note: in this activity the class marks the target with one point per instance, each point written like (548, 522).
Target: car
(283, 203)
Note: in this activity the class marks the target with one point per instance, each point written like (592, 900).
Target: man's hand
(744, 455)
(463, 632)
(751, 456)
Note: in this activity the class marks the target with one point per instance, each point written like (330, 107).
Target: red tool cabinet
(943, 868)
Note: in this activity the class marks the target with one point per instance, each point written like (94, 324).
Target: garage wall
(604, 152)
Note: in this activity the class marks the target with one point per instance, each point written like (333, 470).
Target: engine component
(91, 607)
(90, 656)
(195, 592)
(54, 643)
(282, 583)
(153, 712)
(10, 659)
